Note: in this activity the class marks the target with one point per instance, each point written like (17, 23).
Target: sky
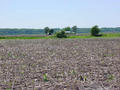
(59, 13)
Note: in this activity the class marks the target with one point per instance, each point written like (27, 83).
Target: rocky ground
(60, 64)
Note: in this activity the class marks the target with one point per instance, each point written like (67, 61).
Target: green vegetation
(61, 34)
(51, 31)
(80, 36)
(73, 72)
(67, 29)
(111, 35)
(16, 31)
(27, 37)
(67, 32)
(7, 89)
(95, 31)
(24, 31)
(110, 77)
(83, 78)
(74, 29)
(46, 30)
(45, 77)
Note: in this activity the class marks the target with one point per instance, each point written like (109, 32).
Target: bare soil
(60, 64)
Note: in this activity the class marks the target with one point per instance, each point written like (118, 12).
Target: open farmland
(60, 64)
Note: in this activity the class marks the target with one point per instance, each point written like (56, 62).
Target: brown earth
(60, 64)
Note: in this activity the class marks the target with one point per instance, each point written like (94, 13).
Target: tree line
(49, 31)
(95, 31)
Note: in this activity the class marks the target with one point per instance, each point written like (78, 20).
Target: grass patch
(111, 35)
(81, 36)
(71, 37)
(28, 37)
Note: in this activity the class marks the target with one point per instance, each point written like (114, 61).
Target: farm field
(60, 64)
(71, 36)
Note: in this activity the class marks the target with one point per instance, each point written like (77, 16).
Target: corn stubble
(60, 64)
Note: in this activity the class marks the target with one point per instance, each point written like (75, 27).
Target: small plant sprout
(9, 54)
(73, 72)
(111, 77)
(45, 77)
(81, 78)
(85, 78)
(22, 72)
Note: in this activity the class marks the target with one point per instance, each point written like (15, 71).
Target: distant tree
(46, 30)
(95, 31)
(67, 29)
(74, 29)
(61, 34)
(51, 31)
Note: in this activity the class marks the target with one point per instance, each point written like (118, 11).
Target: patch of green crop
(45, 77)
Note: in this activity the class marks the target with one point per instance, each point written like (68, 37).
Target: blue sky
(59, 13)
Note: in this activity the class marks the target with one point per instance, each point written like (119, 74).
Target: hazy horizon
(59, 14)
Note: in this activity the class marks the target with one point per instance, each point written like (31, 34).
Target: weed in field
(33, 64)
(9, 84)
(110, 77)
(108, 55)
(9, 54)
(85, 78)
(24, 54)
(45, 77)
(73, 72)
(81, 78)
(22, 72)
(7, 89)
(14, 56)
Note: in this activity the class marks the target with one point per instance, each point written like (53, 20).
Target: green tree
(51, 31)
(67, 29)
(74, 29)
(61, 34)
(46, 30)
(95, 31)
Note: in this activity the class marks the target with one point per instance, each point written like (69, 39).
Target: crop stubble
(69, 64)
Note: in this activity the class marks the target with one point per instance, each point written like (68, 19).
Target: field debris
(60, 64)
